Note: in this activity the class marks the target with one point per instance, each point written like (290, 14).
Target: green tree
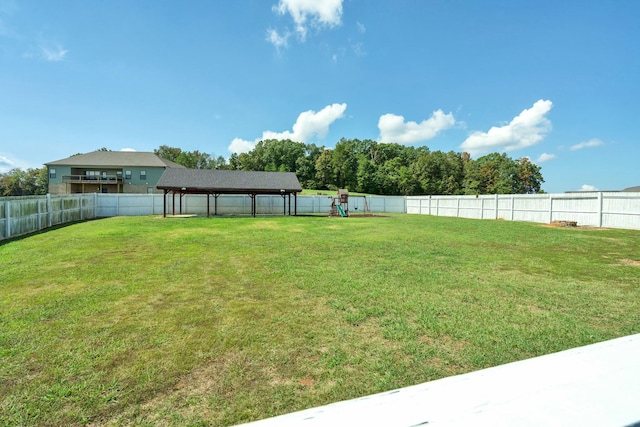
(345, 164)
(192, 159)
(195, 160)
(169, 153)
(528, 178)
(498, 173)
(306, 166)
(324, 170)
(18, 182)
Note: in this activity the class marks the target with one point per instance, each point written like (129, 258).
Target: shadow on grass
(44, 230)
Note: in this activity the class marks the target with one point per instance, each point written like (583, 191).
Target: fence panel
(599, 209)
(22, 215)
(621, 210)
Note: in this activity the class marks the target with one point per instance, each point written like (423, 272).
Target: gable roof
(228, 181)
(116, 159)
(633, 189)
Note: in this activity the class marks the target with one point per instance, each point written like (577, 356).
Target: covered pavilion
(214, 182)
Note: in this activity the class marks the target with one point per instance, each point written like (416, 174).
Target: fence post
(7, 219)
(600, 202)
(550, 208)
(497, 213)
(95, 205)
(81, 208)
(513, 199)
(39, 214)
(49, 213)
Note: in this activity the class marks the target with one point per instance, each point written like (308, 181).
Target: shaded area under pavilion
(216, 182)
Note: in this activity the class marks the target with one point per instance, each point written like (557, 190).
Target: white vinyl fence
(23, 215)
(598, 209)
(196, 204)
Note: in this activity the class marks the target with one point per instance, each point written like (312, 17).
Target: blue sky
(555, 81)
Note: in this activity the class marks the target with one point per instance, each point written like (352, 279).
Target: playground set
(340, 204)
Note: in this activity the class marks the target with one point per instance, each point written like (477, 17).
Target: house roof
(228, 181)
(633, 189)
(116, 159)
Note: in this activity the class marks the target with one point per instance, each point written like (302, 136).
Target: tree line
(19, 182)
(378, 168)
(363, 166)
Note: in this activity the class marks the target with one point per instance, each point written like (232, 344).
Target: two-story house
(107, 172)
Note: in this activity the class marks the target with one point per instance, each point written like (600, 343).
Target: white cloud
(276, 39)
(308, 125)
(54, 53)
(128, 149)
(586, 144)
(47, 52)
(239, 145)
(315, 13)
(358, 49)
(361, 27)
(545, 157)
(587, 187)
(9, 162)
(6, 164)
(526, 129)
(394, 129)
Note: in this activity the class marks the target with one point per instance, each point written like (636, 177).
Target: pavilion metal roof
(228, 181)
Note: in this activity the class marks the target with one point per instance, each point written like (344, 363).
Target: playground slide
(342, 212)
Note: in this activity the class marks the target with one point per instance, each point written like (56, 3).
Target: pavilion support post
(181, 194)
(284, 204)
(173, 204)
(289, 194)
(208, 203)
(253, 204)
(164, 204)
(295, 204)
(215, 204)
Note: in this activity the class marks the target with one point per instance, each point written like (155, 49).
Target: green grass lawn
(196, 321)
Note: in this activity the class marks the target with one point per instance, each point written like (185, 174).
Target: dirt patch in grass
(444, 341)
(188, 397)
(631, 262)
(558, 224)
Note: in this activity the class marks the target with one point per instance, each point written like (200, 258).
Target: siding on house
(108, 172)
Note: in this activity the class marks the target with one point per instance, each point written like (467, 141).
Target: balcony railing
(86, 179)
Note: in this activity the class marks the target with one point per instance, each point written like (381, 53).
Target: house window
(143, 175)
(52, 173)
(149, 190)
(127, 174)
(119, 175)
